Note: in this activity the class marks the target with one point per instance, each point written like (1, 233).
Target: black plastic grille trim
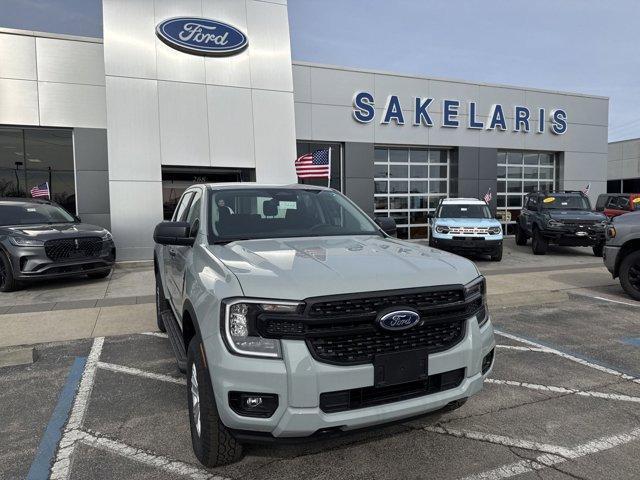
(344, 400)
(73, 248)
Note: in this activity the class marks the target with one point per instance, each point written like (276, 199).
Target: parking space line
(550, 388)
(141, 373)
(155, 334)
(618, 301)
(524, 349)
(523, 466)
(158, 461)
(60, 469)
(571, 357)
(53, 433)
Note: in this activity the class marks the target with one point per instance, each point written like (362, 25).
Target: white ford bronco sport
(295, 315)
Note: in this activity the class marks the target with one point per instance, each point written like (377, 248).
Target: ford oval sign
(201, 36)
(399, 320)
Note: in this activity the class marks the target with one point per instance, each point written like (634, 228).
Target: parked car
(295, 315)
(622, 252)
(466, 226)
(41, 240)
(615, 204)
(560, 218)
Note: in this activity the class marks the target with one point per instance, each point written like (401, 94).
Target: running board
(175, 337)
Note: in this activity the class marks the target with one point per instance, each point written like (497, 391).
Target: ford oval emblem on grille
(399, 320)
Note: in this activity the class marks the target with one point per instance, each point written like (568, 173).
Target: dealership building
(623, 171)
(120, 126)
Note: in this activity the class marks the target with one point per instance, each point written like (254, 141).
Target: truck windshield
(248, 213)
(464, 211)
(566, 202)
(26, 213)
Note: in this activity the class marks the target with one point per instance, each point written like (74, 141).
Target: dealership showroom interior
(328, 239)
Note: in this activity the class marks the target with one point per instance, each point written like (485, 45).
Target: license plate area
(400, 367)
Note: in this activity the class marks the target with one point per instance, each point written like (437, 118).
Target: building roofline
(626, 140)
(442, 79)
(57, 36)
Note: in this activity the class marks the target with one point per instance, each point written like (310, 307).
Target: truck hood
(468, 222)
(561, 215)
(299, 268)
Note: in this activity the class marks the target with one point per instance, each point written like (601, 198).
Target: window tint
(181, 209)
(464, 211)
(194, 211)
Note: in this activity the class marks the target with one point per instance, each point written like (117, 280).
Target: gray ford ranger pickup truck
(622, 252)
(295, 315)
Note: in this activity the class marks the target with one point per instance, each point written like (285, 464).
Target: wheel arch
(628, 247)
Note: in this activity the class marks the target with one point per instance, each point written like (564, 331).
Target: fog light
(487, 361)
(253, 404)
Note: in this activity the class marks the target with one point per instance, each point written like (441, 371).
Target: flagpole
(329, 179)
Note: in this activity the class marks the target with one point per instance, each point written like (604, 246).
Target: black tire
(539, 244)
(598, 249)
(99, 274)
(456, 404)
(213, 444)
(521, 236)
(630, 274)
(161, 303)
(497, 255)
(8, 282)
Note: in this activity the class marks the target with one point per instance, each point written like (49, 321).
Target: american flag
(487, 196)
(41, 190)
(586, 189)
(314, 165)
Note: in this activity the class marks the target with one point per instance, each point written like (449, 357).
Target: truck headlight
(26, 242)
(477, 287)
(238, 325)
(442, 229)
(495, 230)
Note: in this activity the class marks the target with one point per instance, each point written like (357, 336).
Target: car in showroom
(622, 252)
(560, 218)
(466, 226)
(294, 315)
(40, 240)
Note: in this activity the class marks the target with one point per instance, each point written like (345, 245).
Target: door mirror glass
(173, 233)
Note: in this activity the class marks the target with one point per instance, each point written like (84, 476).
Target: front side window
(277, 213)
(464, 211)
(181, 209)
(18, 213)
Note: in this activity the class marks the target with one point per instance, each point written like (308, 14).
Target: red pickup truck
(614, 204)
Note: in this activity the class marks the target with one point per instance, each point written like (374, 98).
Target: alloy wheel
(195, 399)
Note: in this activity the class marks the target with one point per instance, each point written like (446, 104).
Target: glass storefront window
(520, 173)
(30, 157)
(408, 184)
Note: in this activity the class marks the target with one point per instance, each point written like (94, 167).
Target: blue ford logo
(201, 36)
(399, 320)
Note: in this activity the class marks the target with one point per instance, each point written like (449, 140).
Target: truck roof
(242, 185)
(465, 201)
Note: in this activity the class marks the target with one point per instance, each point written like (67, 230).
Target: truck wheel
(598, 249)
(521, 236)
(7, 282)
(161, 304)
(630, 274)
(497, 255)
(539, 244)
(213, 443)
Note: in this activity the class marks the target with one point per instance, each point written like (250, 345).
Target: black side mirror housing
(387, 225)
(173, 233)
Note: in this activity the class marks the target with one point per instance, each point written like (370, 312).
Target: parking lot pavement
(563, 401)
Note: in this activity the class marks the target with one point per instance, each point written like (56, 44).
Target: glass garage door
(520, 173)
(409, 183)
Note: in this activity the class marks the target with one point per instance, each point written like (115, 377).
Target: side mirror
(387, 224)
(173, 233)
(431, 215)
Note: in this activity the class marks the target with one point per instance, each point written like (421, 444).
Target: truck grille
(73, 248)
(362, 348)
(342, 330)
(343, 400)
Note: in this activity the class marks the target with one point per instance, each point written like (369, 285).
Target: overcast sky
(587, 46)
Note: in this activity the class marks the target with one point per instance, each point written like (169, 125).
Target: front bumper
(298, 380)
(33, 263)
(572, 236)
(610, 258)
(480, 245)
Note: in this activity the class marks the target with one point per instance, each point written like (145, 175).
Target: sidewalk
(124, 303)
